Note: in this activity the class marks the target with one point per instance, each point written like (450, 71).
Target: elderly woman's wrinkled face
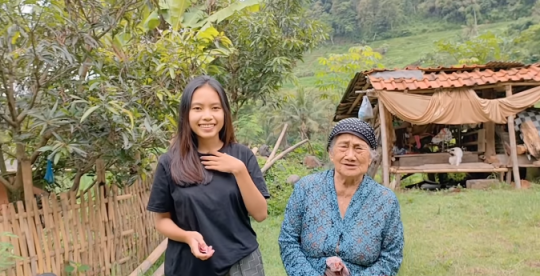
(350, 155)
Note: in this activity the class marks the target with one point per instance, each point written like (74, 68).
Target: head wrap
(355, 127)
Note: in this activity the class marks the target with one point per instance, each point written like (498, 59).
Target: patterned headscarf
(355, 127)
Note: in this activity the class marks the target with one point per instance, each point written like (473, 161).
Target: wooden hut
(419, 113)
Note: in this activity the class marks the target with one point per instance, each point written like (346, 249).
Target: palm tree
(306, 112)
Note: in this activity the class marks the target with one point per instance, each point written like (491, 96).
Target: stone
(524, 184)
(481, 184)
(311, 162)
(264, 150)
(292, 179)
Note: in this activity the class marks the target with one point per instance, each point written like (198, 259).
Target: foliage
(529, 41)
(74, 268)
(340, 68)
(248, 129)
(369, 20)
(276, 179)
(269, 43)
(82, 82)
(305, 116)
(476, 50)
(7, 257)
(375, 16)
(183, 14)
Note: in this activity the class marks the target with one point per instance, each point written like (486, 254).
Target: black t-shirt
(216, 210)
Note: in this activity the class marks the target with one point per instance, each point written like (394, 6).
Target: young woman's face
(206, 116)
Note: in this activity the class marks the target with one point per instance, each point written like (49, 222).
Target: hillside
(402, 51)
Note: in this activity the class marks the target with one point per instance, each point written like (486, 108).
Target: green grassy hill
(402, 51)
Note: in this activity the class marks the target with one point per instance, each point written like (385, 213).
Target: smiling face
(206, 116)
(350, 155)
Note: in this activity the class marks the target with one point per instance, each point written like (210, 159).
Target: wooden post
(397, 182)
(513, 146)
(28, 185)
(489, 130)
(384, 141)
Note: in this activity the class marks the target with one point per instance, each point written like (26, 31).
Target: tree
(476, 50)
(86, 83)
(268, 45)
(378, 16)
(304, 114)
(343, 18)
(340, 68)
(529, 43)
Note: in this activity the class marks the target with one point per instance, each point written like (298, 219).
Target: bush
(276, 180)
(7, 257)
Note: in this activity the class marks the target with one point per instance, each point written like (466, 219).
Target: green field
(495, 232)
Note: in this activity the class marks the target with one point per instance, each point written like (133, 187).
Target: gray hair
(373, 153)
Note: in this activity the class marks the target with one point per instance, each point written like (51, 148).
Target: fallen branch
(269, 163)
(278, 143)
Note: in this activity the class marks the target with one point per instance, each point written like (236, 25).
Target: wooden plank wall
(107, 229)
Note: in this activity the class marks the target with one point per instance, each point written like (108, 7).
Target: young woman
(205, 188)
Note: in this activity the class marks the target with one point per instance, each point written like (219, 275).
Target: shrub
(7, 257)
(276, 180)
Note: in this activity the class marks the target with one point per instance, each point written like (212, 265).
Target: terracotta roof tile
(458, 76)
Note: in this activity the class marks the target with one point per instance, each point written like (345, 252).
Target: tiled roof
(426, 78)
(479, 75)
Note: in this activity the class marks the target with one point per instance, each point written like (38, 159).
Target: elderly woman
(340, 221)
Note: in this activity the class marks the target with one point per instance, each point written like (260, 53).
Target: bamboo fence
(108, 230)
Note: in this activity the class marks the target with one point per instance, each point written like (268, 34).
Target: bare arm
(253, 199)
(168, 228)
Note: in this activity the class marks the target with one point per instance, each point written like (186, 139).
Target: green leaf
(88, 112)
(69, 268)
(147, 125)
(15, 37)
(192, 17)
(45, 148)
(209, 34)
(176, 9)
(56, 158)
(225, 13)
(83, 268)
(151, 22)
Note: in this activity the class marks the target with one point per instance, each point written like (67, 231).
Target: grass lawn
(495, 232)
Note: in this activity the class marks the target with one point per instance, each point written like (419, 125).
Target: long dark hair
(186, 166)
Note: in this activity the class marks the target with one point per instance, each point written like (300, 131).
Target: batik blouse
(369, 239)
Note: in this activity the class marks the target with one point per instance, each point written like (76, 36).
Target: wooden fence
(108, 230)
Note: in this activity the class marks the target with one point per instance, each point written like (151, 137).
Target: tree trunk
(3, 169)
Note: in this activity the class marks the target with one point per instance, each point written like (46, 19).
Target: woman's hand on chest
(222, 162)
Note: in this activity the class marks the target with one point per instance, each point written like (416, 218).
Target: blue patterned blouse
(369, 239)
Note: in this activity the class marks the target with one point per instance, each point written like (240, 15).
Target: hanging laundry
(417, 140)
(445, 135)
(49, 174)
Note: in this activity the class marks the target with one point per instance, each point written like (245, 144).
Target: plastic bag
(365, 111)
